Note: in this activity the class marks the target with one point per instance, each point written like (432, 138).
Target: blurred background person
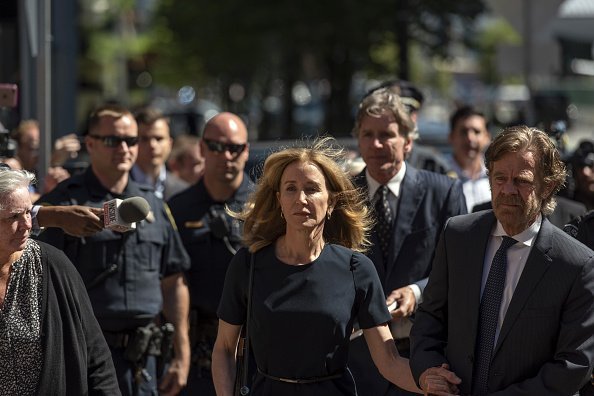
(154, 147)
(582, 164)
(411, 207)
(27, 136)
(305, 227)
(50, 341)
(134, 277)
(186, 160)
(210, 236)
(469, 138)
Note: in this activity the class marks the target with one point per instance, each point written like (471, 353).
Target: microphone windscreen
(134, 209)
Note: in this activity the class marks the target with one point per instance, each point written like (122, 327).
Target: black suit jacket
(546, 343)
(426, 201)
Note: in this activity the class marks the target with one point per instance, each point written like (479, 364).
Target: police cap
(410, 95)
(583, 154)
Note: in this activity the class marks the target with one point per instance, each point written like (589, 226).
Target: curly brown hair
(550, 169)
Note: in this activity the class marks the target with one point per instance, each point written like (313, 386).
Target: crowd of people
(378, 283)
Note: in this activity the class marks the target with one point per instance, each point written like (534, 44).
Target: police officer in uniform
(130, 277)
(582, 228)
(210, 236)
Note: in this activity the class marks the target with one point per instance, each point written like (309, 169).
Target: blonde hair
(350, 221)
(549, 168)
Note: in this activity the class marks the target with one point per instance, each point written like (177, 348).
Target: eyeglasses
(219, 147)
(115, 141)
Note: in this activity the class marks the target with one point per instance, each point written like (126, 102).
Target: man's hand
(75, 220)
(405, 298)
(439, 381)
(176, 377)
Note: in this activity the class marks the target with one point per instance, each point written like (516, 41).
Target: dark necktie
(385, 218)
(488, 317)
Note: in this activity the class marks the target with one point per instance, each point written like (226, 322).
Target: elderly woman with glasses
(305, 227)
(50, 341)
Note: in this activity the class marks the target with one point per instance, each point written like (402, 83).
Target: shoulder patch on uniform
(571, 229)
(170, 216)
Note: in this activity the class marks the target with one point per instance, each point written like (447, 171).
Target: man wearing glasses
(131, 277)
(210, 236)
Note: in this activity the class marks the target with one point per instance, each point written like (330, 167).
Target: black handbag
(241, 387)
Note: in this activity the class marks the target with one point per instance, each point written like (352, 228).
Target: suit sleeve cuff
(417, 292)
(35, 229)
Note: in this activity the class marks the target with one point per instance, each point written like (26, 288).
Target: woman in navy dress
(306, 224)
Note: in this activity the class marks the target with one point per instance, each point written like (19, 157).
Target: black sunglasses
(115, 141)
(219, 147)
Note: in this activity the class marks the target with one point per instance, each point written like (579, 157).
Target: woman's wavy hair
(350, 221)
(385, 100)
(550, 169)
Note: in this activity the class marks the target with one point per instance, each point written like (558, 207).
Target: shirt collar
(139, 176)
(460, 172)
(526, 237)
(97, 190)
(393, 184)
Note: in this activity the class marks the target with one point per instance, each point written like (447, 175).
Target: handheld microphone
(122, 215)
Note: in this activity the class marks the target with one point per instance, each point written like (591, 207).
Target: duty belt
(117, 340)
(309, 380)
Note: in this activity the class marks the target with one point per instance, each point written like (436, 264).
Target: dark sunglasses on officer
(115, 141)
(219, 147)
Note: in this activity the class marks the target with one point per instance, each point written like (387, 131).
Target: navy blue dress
(302, 316)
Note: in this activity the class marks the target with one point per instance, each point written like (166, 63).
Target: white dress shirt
(516, 260)
(476, 191)
(401, 327)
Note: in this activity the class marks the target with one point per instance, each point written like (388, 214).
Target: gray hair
(11, 179)
(384, 100)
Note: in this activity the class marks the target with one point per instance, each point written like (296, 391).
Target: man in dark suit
(411, 207)
(510, 299)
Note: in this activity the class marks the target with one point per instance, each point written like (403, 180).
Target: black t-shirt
(302, 316)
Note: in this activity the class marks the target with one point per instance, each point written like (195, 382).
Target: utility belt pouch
(138, 344)
(167, 342)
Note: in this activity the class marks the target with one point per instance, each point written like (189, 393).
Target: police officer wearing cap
(582, 165)
(210, 236)
(131, 277)
(582, 228)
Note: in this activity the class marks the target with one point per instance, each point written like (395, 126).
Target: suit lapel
(374, 253)
(536, 265)
(412, 192)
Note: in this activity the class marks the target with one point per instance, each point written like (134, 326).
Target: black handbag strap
(245, 390)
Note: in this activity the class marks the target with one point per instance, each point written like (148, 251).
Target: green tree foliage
(258, 41)
(494, 34)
